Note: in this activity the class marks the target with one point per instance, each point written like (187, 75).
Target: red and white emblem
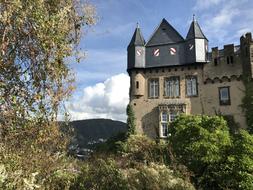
(173, 51)
(191, 46)
(156, 52)
(138, 52)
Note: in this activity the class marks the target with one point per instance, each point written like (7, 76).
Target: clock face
(138, 52)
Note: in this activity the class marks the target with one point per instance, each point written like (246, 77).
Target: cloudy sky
(101, 79)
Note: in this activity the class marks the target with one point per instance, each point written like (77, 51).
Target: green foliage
(241, 161)
(130, 120)
(217, 159)
(107, 174)
(36, 37)
(155, 177)
(112, 145)
(100, 175)
(247, 104)
(140, 148)
(201, 143)
(199, 140)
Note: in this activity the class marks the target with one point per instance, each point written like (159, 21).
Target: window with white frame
(224, 96)
(172, 116)
(172, 87)
(191, 86)
(153, 88)
(166, 117)
(164, 124)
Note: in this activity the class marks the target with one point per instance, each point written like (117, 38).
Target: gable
(164, 34)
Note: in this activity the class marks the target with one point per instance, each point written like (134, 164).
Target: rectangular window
(172, 87)
(164, 129)
(191, 86)
(164, 124)
(224, 96)
(172, 117)
(153, 88)
(166, 117)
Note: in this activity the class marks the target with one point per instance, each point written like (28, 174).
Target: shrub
(100, 175)
(155, 177)
(143, 149)
(202, 143)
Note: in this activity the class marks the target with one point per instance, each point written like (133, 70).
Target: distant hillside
(95, 130)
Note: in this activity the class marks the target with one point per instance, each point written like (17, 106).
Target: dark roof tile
(195, 31)
(137, 39)
(164, 34)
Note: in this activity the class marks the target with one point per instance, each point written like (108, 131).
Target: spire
(137, 39)
(195, 30)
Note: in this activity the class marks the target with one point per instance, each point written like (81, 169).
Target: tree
(202, 144)
(130, 120)
(36, 37)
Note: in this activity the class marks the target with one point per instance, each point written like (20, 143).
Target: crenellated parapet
(246, 53)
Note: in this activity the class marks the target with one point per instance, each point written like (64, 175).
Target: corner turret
(196, 43)
(136, 50)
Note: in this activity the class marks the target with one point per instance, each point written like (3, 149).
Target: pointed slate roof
(195, 31)
(164, 34)
(137, 39)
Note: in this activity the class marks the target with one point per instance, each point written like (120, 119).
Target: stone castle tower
(172, 75)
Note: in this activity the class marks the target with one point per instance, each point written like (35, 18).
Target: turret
(196, 44)
(136, 50)
(246, 51)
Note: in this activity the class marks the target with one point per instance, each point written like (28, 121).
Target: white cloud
(102, 100)
(204, 4)
(224, 20)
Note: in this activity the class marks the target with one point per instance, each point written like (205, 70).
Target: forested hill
(95, 129)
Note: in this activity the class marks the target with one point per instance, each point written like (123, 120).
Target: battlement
(246, 46)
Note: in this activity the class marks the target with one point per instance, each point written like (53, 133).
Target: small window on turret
(227, 59)
(137, 84)
(215, 61)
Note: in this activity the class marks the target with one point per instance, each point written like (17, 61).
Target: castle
(170, 75)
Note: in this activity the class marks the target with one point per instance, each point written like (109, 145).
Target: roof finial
(193, 17)
(137, 25)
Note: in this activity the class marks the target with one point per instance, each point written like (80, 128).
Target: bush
(140, 148)
(155, 177)
(241, 161)
(100, 175)
(202, 143)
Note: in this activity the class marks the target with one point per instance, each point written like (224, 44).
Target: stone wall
(227, 68)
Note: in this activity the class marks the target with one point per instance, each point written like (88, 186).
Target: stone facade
(212, 86)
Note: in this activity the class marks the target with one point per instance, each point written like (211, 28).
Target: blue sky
(101, 79)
